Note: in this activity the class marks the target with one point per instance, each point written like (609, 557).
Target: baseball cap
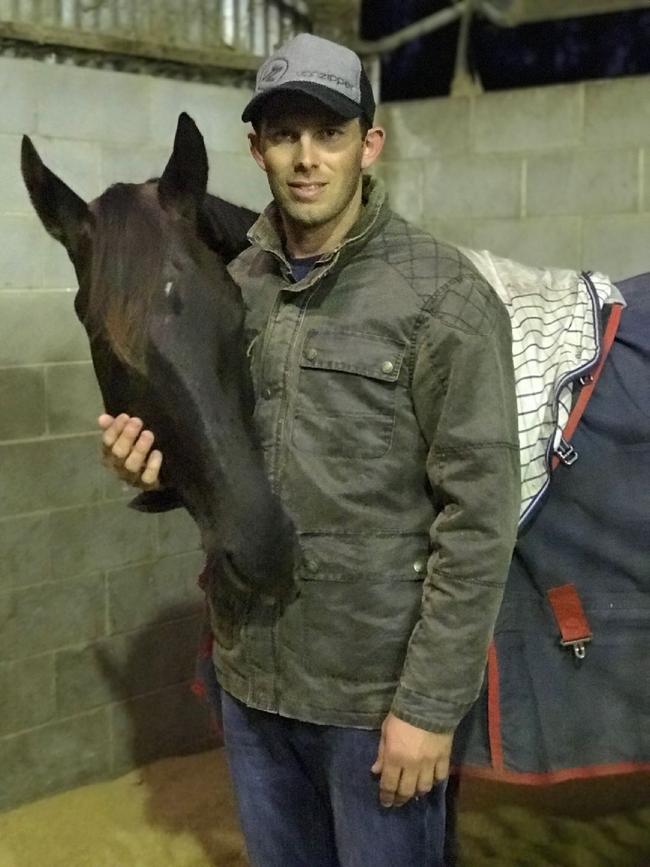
(329, 72)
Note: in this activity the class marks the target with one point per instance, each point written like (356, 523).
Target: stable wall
(549, 176)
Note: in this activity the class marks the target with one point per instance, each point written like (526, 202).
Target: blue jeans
(306, 797)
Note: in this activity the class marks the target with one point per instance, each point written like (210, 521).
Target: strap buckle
(578, 647)
(566, 452)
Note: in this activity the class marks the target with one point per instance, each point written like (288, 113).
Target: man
(382, 364)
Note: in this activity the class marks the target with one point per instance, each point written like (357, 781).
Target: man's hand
(127, 450)
(410, 761)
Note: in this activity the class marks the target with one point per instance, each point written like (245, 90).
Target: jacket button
(387, 367)
(311, 354)
(312, 566)
(419, 566)
(266, 393)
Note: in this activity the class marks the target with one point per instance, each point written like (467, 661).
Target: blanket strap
(565, 452)
(570, 617)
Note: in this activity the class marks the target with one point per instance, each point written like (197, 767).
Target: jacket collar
(267, 234)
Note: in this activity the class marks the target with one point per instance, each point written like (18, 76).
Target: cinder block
(73, 398)
(541, 242)
(171, 722)
(583, 182)
(534, 119)
(138, 595)
(424, 129)
(48, 616)
(49, 474)
(113, 488)
(238, 179)
(215, 109)
(22, 398)
(617, 245)
(125, 666)
(19, 85)
(101, 105)
(24, 543)
(40, 327)
(27, 690)
(455, 232)
(617, 110)
(56, 268)
(404, 183)
(77, 163)
(101, 536)
(13, 193)
(472, 186)
(54, 757)
(125, 164)
(20, 251)
(177, 533)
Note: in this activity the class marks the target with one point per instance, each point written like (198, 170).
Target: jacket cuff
(163, 500)
(427, 713)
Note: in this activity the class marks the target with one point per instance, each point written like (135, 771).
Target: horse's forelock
(129, 247)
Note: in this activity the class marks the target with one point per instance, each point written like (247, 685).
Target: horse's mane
(130, 242)
(129, 251)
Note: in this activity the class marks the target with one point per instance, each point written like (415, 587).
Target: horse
(150, 261)
(549, 706)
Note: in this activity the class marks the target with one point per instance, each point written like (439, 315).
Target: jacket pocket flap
(353, 352)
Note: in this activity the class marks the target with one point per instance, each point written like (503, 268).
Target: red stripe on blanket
(494, 709)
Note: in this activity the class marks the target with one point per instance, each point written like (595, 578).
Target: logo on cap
(276, 69)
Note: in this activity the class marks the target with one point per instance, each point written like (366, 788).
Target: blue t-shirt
(301, 267)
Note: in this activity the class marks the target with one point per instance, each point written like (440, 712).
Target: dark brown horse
(165, 323)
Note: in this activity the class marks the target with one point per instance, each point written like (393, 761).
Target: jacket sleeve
(464, 400)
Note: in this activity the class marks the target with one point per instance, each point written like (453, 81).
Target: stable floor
(179, 813)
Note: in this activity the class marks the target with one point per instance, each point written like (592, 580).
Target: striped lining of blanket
(556, 340)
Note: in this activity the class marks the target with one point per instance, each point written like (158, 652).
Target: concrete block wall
(99, 609)
(549, 176)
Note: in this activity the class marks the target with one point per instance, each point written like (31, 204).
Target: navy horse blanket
(545, 714)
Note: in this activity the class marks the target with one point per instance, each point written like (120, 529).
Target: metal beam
(407, 34)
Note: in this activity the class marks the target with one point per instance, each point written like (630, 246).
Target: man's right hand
(128, 451)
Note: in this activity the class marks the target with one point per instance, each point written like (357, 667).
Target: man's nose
(306, 152)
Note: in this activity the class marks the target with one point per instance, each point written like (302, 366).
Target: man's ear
(63, 213)
(255, 149)
(372, 146)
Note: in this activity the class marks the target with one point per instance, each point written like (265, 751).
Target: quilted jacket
(385, 405)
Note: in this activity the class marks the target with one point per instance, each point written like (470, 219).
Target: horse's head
(165, 325)
(133, 242)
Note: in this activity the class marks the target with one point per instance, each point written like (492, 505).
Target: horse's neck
(227, 225)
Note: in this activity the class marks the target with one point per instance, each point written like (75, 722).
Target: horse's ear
(184, 182)
(63, 213)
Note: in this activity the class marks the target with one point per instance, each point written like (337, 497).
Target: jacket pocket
(359, 630)
(345, 403)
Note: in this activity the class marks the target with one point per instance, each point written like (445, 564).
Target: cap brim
(342, 105)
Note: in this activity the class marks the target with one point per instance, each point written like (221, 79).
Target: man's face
(313, 159)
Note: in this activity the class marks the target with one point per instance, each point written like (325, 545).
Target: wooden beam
(219, 58)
